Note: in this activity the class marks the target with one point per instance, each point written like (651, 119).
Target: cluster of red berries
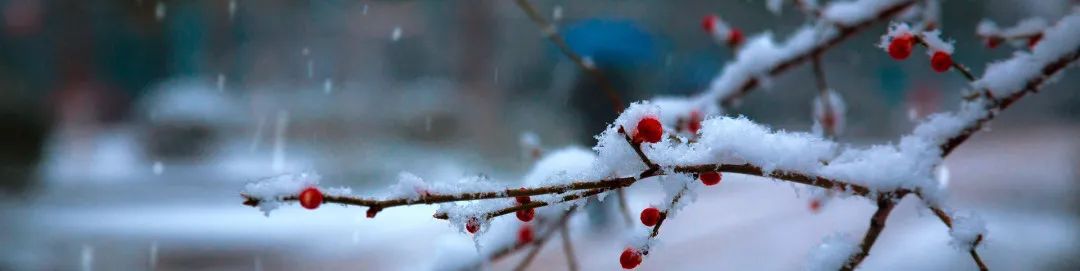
(900, 49)
(711, 23)
(527, 214)
(651, 216)
(525, 233)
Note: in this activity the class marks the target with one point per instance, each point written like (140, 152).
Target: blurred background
(130, 126)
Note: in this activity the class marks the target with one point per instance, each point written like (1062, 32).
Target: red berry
(709, 22)
(994, 41)
(473, 225)
(526, 215)
(650, 216)
(710, 178)
(630, 258)
(311, 198)
(1034, 40)
(940, 62)
(522, 199)
(525, 234)
(371, 212)
(734, 37)
(815, 205)
(695, 122)
(900, 47)
(648, 130)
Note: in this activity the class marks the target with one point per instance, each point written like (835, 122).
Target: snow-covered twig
(843, 20)
(885, 173)
(948, 220)
(1029, 30)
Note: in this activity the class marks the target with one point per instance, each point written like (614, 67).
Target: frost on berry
(710, 178)
(311, 198)
(525, 234)
(650, 216)
(940, 61)
(649, 130)
(898, 41)
(473, 225)
(630, 258)
(900, 47)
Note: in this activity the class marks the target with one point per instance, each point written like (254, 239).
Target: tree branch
(844, 32)
(568, 247)
(539, 243)
(877, 225)
(1032, 86)
(963, 70)
(552, 34)
(947, 220)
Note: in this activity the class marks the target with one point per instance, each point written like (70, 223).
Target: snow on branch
(653, 141)
(762, 58)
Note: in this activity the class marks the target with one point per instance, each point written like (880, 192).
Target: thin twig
(963, 70)
(532, 204)
(568, 246)
(538, 244)
(552, 33)
(877, 225)
(824, 97)
(624, 207)
(947, 220)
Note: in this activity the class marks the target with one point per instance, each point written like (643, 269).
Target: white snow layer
(966, 229)
(849, 13)
(1003, 78)
(833, 252)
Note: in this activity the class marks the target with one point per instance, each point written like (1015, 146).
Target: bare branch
(538, 244)
(552, 33)
(568, 247)
(877, 225)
